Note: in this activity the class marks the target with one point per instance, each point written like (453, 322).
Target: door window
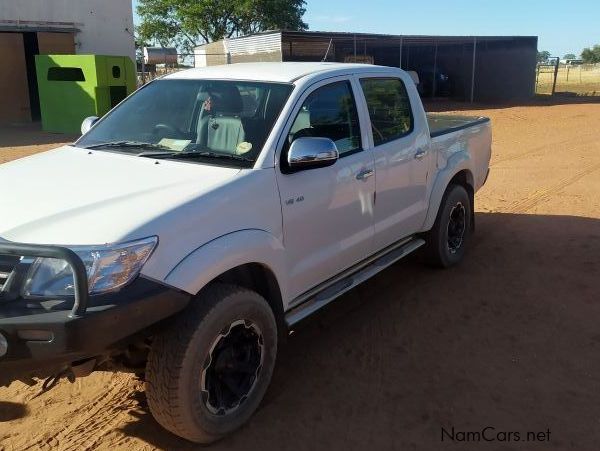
(330, 112)
(389, 108)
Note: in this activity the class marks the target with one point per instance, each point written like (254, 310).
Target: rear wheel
(447, 239)
(207, 374)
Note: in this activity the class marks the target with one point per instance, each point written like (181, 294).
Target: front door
(327, 212)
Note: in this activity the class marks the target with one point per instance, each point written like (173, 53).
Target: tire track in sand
(92, 421)
(546, 148)
(528, 202)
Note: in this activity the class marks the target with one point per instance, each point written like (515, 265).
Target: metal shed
(481, 68)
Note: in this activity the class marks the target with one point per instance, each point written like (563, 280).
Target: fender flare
(455, 164)
(226, 252)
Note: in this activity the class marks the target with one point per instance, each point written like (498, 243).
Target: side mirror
(311, 153)
(88, 123)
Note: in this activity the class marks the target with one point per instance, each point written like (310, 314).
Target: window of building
(65, 74)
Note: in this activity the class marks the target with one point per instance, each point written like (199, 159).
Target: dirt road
(21, 140)
(510, 339)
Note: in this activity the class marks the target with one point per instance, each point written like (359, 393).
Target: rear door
(327, 212)
(401, 144)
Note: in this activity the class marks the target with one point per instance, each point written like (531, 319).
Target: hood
(77, 196)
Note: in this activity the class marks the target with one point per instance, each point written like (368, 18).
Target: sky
(562, 26)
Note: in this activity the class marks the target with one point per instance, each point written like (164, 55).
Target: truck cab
(192, 227)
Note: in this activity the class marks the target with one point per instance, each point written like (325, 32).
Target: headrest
(225, 98)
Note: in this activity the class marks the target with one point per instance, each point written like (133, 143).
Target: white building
(30, 27)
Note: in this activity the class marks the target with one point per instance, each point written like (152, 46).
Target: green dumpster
(73, 87)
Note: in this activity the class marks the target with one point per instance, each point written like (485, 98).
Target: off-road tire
(438, 253)
(176, 359)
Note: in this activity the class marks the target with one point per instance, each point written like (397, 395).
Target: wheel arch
(261, 279)
(252, 258)
(461, 176)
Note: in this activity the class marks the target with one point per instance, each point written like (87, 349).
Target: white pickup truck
(186, 232)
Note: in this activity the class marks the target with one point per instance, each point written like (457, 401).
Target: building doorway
(18, 78)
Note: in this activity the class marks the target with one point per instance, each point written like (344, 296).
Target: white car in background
(186, 232)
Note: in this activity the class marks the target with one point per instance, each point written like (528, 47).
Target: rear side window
(330, 112)
(389, 108)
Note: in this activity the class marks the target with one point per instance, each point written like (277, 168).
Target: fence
(148, 72)
(583, 79)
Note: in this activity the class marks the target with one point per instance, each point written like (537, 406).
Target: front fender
(455, 164)
(226, 252)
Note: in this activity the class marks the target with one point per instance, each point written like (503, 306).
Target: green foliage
(543, 56)
(591, 55)
(188, 23)
(570, 56)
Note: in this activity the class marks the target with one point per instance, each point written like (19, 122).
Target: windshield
(226, 122)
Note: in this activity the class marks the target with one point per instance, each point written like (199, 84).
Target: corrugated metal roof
(248, 45)
(266, 41)
(409, 39)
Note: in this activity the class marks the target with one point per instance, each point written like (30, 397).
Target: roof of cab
(286, 72)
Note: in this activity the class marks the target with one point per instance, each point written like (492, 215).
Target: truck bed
(441, 124)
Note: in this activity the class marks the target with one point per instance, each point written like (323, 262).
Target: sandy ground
(509, 339)
(21, 140)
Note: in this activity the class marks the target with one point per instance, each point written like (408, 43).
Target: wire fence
(582, 79)
(149, 72)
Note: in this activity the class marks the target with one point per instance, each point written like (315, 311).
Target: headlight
(108, 269)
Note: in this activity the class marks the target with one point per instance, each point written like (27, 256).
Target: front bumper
(46, 336)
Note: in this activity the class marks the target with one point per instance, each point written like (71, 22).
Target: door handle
(421, 153)
(364, 174)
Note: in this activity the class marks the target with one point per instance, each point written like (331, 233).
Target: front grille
(7, 266)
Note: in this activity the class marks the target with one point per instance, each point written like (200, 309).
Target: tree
(542, 57)
(569, 56)
(188, 23)
(591, 55)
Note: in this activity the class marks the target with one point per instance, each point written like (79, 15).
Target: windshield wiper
(207, 154)
(159, 154)
(192, 155)
(126, 144)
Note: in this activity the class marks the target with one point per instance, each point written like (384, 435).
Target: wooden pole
(401, 43)
(434, 85)
(143, 68)
(473, 69)
(555, 76)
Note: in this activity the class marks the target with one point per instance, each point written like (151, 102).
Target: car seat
(221, 129)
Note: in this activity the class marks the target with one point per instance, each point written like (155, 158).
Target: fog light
(3, 345)
(35, 335)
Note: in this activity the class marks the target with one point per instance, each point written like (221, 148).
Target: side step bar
(320, 296)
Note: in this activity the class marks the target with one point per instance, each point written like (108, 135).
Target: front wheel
(207, 374)
(447, 239)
